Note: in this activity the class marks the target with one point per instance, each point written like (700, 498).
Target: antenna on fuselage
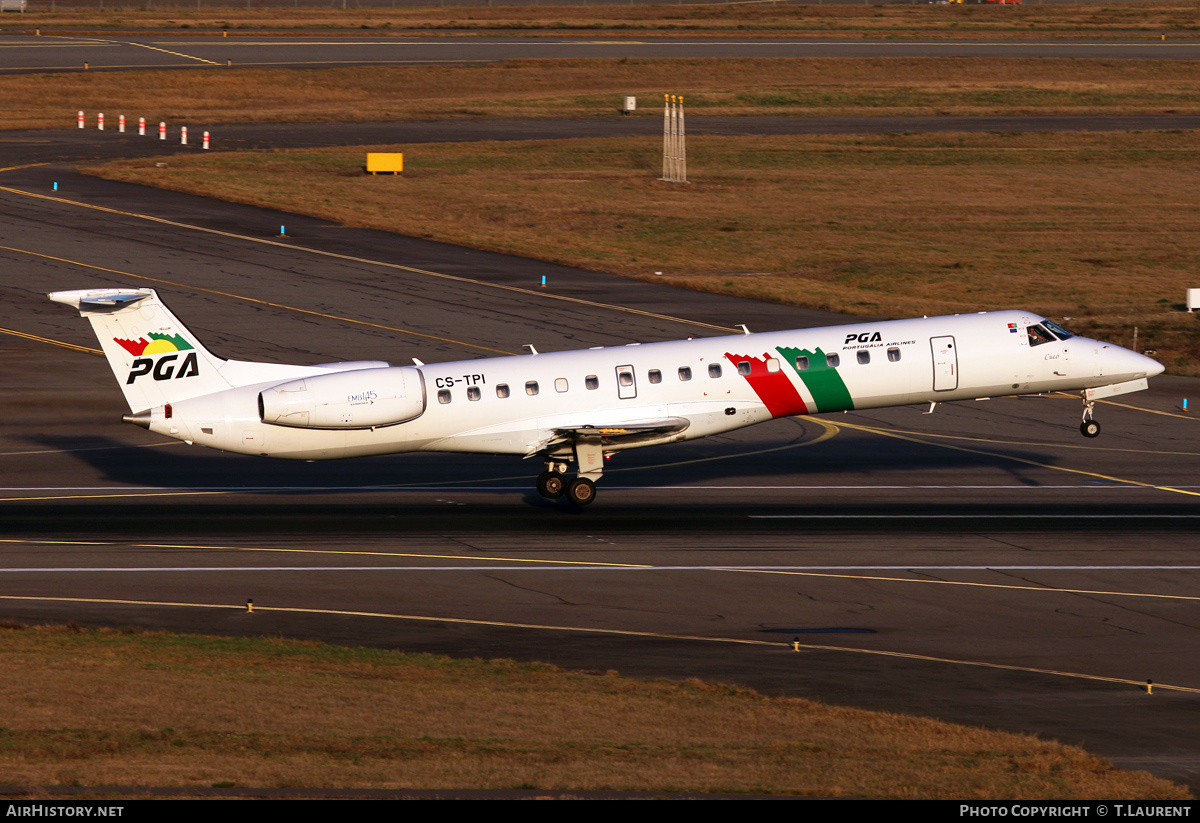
(532, 350)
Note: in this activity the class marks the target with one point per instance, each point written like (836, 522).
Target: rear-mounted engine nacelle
(359, 399)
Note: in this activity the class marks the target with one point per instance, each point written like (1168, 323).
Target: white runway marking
(451, 486)
(591, 568)
(989, 516)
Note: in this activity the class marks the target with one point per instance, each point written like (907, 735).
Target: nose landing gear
(1089, 427)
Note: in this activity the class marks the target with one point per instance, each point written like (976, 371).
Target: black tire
(1090, 428)
(581, 491)
(551, 485)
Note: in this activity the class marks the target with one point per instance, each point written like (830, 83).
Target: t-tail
(157, 361)
(154, 357)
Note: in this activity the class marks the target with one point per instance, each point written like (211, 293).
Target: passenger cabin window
(625, 378)
(744, 367)
(592, 382)
(714, 369)
(864, 357)
(472, 392)
(833, 360)
(531, 388)
(802, 363)
(560, 384)
(685, 373)
(502, 390)
(655, 376)
(444, 396)
(894, 355)
(772, 365)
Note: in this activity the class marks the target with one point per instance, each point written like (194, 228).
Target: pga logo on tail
(164, 367)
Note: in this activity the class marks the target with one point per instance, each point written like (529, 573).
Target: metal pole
(682, 145)
(666, 136)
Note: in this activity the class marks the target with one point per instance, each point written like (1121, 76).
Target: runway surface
(27, 53)
(983, 564)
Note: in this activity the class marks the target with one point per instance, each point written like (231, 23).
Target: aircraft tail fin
(154, 357)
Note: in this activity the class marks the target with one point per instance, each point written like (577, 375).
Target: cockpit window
(1038, 335)
(1059, 331)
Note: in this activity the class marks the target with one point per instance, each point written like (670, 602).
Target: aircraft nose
(1153, 367)
(1137, 365)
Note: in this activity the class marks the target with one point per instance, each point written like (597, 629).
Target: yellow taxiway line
(763, 644)
(51, 341)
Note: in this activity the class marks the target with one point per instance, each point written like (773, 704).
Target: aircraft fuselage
(510, 405)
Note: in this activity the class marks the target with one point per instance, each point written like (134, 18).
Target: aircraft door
(945, 363)
(626, 383)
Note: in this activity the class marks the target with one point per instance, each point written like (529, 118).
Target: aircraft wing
(617, 434)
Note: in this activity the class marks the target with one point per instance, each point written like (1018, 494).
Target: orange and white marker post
(162, 131)
(121, 124)
(142, 126)
(183, 135)
(205, 142)
(100, 121)
(81, 120)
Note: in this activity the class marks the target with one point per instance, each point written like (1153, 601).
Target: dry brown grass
(1100, 228)
(592, 88)
(664, 20)
(112, 708)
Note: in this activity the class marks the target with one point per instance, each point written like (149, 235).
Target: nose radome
(1153, 367)
(1125, 361)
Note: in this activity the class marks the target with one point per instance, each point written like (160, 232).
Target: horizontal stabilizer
(92, 300)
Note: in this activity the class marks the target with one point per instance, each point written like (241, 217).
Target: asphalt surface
(983, 564)
(26, 53)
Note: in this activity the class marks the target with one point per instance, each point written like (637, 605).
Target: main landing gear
(581, 490)
(1089, 427)
(552, 485)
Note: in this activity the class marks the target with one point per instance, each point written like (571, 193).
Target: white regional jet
(580, 406)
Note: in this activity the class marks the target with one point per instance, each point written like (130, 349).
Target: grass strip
(533, 88)
(131, 708)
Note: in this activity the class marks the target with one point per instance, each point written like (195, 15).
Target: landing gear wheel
(581, 491)
(1090, 428)
(551, 485)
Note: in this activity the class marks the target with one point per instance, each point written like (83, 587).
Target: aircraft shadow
(710, 461)
(478, 493)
